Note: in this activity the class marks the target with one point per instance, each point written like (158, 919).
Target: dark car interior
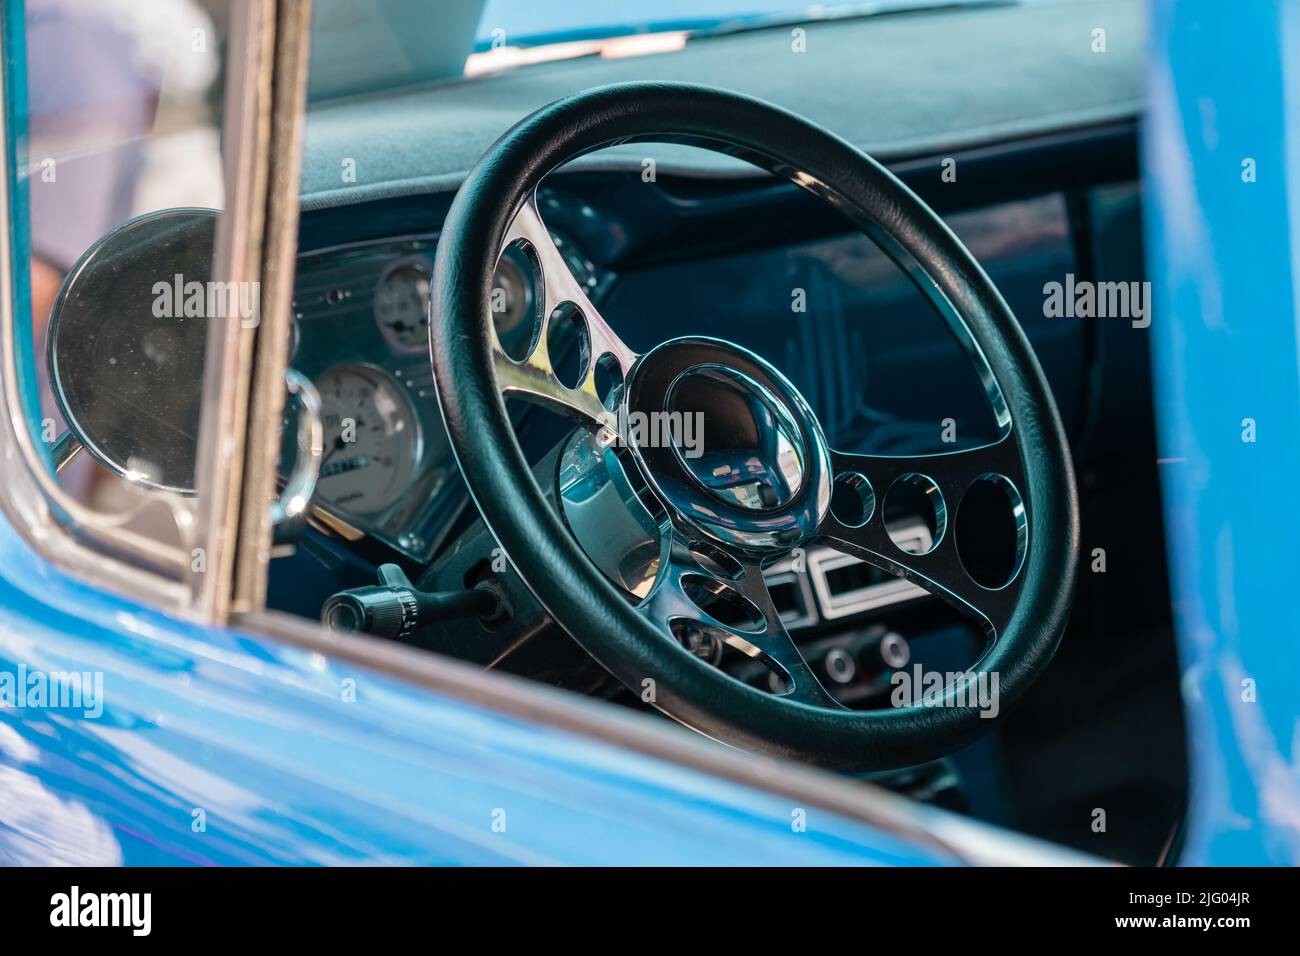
(977, 113)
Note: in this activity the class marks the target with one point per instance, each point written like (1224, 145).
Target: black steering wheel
(772, 491)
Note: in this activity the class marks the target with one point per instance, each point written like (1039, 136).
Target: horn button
(735, 438)
(728, 443)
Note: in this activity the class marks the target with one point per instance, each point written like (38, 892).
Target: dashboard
(876, 362)
(664, 260)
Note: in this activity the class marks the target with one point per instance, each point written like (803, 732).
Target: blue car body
(1220, 144)
(215, 747)
(220, 747)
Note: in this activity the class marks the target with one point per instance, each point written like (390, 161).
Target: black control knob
(396, 608)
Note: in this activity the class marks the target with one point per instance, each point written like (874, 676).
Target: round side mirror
(126, 345)
(127, 339)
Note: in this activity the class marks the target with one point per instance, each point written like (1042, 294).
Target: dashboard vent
(832, 585)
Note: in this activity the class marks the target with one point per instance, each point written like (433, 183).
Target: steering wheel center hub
(739, 455)
(735, 438)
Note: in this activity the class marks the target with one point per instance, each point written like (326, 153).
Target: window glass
(116, 106)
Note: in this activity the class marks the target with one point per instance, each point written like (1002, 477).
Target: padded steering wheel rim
(571, 588)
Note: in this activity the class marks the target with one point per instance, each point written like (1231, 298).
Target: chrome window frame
(98, 547)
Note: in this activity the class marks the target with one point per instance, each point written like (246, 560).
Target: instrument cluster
(361, 334)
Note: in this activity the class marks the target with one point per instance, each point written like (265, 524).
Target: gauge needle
(339, 444)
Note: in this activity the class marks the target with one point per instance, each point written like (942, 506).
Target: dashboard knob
(840, 665)
(894, 650)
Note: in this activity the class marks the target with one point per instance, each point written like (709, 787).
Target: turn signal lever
(395, 608)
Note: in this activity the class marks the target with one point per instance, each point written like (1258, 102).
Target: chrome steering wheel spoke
(534, 376)
(706, 592)
(930, 558)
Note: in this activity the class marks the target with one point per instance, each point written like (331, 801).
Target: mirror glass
(127, 340)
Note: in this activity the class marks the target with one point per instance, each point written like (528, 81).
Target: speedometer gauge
(402, 304)
(372, 439)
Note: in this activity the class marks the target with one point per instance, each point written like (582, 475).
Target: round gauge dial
(514, 303)
(402, 304)
(372, 439)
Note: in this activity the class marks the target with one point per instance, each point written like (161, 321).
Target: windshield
(527, 22)
(385, 44)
